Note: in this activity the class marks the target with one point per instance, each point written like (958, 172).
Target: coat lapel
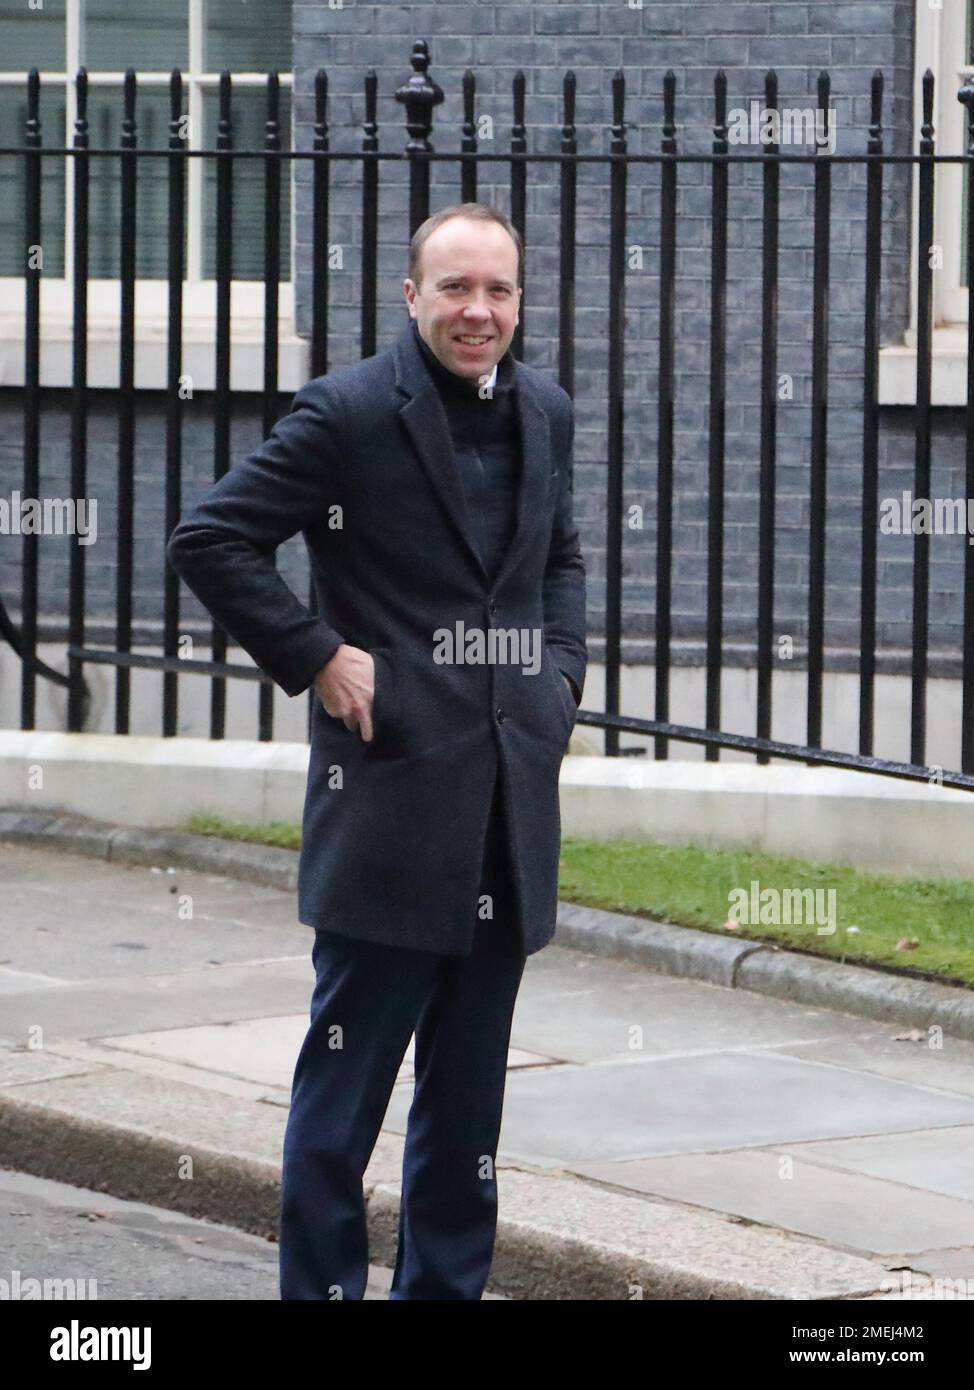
(427, 426)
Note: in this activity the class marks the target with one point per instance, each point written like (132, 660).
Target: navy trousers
(367, 1002)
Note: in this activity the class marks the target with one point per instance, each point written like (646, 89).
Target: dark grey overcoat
(364, 467)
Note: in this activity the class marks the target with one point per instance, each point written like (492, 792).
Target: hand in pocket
(346, 688)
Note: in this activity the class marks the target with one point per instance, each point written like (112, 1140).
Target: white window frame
(950, 118)
(940, 39)
(151, 295)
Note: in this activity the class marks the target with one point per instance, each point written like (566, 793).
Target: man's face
(468, 290)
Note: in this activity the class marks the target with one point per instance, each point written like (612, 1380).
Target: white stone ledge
(151, 782)
(825, 814)
(198, 360)
(897, 382)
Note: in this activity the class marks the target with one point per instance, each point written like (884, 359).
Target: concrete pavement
(663, 1137)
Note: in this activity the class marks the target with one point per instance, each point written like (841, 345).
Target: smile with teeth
(471, 340)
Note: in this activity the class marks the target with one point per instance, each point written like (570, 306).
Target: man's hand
(346, 686)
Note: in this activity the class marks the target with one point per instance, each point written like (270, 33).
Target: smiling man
(432, 484)
(463, 292)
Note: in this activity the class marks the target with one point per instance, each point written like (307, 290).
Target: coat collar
(427, 426)
(503, 370)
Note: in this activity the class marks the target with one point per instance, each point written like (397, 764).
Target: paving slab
(104, 1008)
(947, 1264)
(902, 1054)
(645, 1119)
(60, 893)
(940, 1160)
(779, 1187)
(588, 1009)
(711, 1103)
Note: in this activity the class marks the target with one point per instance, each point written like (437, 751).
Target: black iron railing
(419, 97)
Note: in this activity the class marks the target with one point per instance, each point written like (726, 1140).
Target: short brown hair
(481, 212)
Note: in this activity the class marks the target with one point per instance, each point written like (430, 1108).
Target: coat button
(501, 716)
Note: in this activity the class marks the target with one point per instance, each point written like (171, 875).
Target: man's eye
(456, 284)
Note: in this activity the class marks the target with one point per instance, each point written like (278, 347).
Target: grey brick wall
(149, 508)
(593, 40)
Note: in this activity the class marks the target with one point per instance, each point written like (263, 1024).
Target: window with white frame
(944, 36)
(944, 43)
(202, 38)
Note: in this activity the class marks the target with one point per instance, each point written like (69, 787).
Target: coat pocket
(385, 701)
(568, 698)
(564, 695)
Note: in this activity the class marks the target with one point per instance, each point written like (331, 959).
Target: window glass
(13, 118)
(249, 114)
(964, 220)
(118, 34)
(247, 35)
(239, 35)
(105, 111)
(32, 38)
